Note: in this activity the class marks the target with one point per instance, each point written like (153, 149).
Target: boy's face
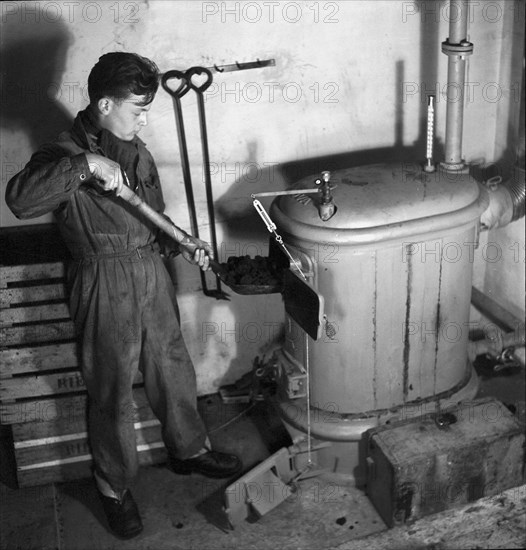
(125, 118)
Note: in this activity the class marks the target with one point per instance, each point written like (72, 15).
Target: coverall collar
(84, 133)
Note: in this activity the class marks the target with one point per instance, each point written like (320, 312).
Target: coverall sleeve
(46, 182)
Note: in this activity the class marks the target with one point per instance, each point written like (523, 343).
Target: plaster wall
(348, 76)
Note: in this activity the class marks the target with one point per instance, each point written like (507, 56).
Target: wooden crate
(426, 465)
(42, 393)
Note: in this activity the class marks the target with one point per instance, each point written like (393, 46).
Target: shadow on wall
(235, 206)
(33, 53)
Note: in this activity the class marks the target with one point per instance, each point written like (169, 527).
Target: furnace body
(393, 267)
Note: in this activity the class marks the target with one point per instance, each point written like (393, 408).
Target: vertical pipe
(454, 112)
(458, 21)
(456, 47)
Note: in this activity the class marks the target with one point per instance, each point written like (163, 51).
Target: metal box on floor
(424, 465)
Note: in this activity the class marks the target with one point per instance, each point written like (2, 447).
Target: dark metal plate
(303, 304)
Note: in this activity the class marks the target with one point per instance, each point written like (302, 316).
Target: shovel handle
(162, 223)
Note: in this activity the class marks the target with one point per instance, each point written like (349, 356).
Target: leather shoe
(123, 516)
(210, 464)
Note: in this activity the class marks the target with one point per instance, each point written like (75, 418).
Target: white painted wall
(348, 76)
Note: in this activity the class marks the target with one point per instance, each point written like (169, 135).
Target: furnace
(394, 327)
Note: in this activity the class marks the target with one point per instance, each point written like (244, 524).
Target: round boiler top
(394, 268)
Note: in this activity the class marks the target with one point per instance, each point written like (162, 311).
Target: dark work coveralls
(121, 300)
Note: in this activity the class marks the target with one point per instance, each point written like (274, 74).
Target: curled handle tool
(179, 76)
(199, 79)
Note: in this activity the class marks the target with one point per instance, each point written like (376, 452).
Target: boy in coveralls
(121, 297)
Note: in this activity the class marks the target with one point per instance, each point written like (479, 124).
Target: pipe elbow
(499, 212)
(516, 187)
(506, 200)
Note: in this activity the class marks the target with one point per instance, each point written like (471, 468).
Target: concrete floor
(184, 512)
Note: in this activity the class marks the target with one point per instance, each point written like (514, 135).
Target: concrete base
(346, 454)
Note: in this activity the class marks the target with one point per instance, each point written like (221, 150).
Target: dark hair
(120, 74)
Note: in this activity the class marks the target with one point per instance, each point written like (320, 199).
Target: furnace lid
(382, 197)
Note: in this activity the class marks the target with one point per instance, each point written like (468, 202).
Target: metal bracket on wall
(258, 64)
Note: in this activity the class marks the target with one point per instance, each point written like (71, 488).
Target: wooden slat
(33, 434)
(37, 358)
(37, 293)
(81, 467)
(80, 434)
(74, 445)
(34, 386)
(30, 314)
(46, 384)
(67, 415)
(26, 272)
(43, 410)
(60, 408)
(32, 334)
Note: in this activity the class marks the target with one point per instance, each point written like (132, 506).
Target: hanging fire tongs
(185, 85)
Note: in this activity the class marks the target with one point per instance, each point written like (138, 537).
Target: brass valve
(327, 207)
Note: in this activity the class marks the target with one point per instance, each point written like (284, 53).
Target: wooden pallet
(42, 393)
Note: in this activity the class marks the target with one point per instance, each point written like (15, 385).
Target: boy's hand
(107, 172)
(196, 252)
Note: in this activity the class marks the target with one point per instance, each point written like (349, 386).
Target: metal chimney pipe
(457, 48)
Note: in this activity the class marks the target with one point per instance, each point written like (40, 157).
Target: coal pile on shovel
(246, 275)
